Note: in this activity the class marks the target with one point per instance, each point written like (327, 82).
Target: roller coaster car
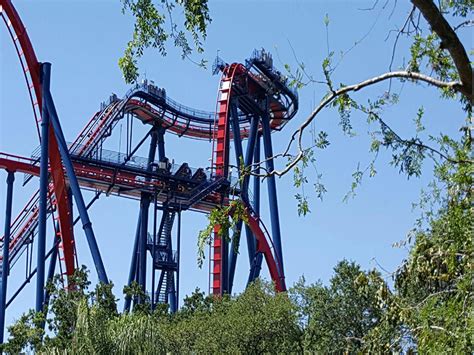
(113, 98)
(162, 167)
(199, 175)
(153, 89)
(184, 171)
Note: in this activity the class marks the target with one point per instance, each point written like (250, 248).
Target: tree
(435, 284)
(257, 321)
(66, 310)
(338, 318)
(431, 305)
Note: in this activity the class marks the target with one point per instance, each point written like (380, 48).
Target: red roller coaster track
(31, 68)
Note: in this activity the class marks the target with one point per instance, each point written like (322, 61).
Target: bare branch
(400, 32)
(298, 134)
(467, 23)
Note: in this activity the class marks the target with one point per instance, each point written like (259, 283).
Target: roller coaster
(254, 100)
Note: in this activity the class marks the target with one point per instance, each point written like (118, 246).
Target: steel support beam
(239, 156)
(172, 300)
(249, 155)
(144, 211)
(161, 158)
(76, 191)
(256, 178)
(272, 194)
(52, 267)
(6, 253)
(161, 143)
(178, 242)
(133, 265)
(45, 76)
(256, 263)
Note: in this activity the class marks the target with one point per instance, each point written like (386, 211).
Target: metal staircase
(164, 258)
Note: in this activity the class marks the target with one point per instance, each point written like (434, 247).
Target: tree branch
(298, 134)
(449, 41)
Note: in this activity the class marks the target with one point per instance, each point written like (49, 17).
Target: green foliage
(300, 177)
(257, 321)
(338, 318)
(64, 304)
(141, 299)
(220, 220)
(434, 285)
(25, 334)
(432, 304)
(149, 30)
(460, 8)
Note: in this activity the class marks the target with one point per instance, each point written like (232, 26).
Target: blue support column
(178, 242)
(172, 293)
(256, 179)
(161, 143)
(144, 211)
(233, 253)
(52, 267)
(133, 265)
(256, 264)
(76, 191)
(6, 253)
(43, 194)
(249, 155)
(239, 155)
(272, 193)
(142, 243)
(250, 149)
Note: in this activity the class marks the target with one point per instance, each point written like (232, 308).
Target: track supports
(43, 194)
(52, 267)
(252, 144)
(179, 259)
(74, 184)
(256, 263)
(144, 211)
(239, 155)
(6, 249)
(272, 193)
(133, 265)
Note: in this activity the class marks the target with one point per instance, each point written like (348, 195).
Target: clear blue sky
(84, 39)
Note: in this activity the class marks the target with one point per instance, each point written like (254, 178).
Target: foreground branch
(298, 134)
(449, 41)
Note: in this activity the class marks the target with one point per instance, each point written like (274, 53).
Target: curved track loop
(221, 165)
(57, 190)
